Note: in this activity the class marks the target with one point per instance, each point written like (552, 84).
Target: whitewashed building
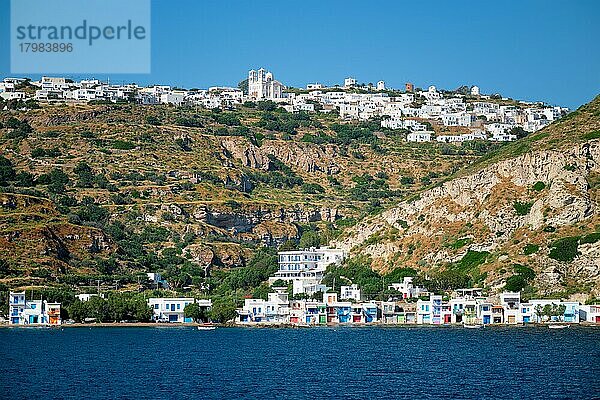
(589, 313)
(172, 309)
(419, 137)
(32, 312)
(306, 268)
(262, 86)
(351, 292)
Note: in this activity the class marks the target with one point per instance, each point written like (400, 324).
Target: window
(166, 306)
(178, 306)
(156, 306)
(33, 306)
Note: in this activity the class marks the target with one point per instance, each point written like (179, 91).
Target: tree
(153, 120)
(309, 239)
(262, 291)
(312, 188)
(539, 311)
(141, 310)
(288, 245)
(7, 171)
(223, 310)
(515, 283)
(194, 312)
(518, 131)
(77, 311)
(267, 105)
(4, 268)
(243, 86)
(85, 174)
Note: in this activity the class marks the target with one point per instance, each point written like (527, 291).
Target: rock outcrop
(520, 199)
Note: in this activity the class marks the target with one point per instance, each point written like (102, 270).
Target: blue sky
(532, 50)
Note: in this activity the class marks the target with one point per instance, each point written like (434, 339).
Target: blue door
(173, 318)
(486, 319)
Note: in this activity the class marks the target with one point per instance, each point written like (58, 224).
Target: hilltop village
(465, 113)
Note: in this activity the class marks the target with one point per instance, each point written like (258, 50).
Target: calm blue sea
(341, 363)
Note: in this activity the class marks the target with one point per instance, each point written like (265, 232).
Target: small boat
(206, 327)
(558, 326)
(473, 326)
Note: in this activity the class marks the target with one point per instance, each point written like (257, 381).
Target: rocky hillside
(115, 190)
(530, 206)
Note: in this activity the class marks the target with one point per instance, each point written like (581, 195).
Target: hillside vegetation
(105, 193)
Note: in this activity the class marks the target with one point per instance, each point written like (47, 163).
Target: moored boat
(558, 326)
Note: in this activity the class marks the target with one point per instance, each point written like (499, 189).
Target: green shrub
(7, 171)
(527, 273)
(515, 283)
(407, 180)
(153, 120)
(591, 238)
(565, 249)
(592, 135)
(539, 186)
(522, 208)
(402, 223)
(122, 145)
(531, 249)
(471, 260)
(459, 243)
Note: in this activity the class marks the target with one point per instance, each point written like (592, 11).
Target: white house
(457, 119)
(419, 137)
(570, 314)
(275, 309)
(407, 288)
(381, 85)
(351, 292)
(32, 312)
(589, 313)
(306, 268)
(349, 83)
(171, 309)
(511, 303)
(88, 296)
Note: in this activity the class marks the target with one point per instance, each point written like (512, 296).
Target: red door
(598, 319)
(447, 318)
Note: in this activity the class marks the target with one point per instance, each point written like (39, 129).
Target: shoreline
(163, 325)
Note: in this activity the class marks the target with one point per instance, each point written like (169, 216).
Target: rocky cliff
(529, 201)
